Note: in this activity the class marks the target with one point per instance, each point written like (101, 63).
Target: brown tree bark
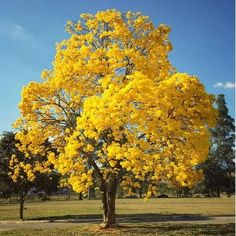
(108, 192)
(22, 200)
(80, 196)
(141, 192)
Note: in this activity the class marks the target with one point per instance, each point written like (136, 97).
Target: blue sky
(202, 36)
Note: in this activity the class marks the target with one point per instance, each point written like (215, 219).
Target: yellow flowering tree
(27, 170)
(116, 109)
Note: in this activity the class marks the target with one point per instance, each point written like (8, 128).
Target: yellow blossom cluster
(24, 167)
(113, 105)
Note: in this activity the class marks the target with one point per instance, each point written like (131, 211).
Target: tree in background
(220, 166)
(21, 173)
(7, 148)
(113, 106)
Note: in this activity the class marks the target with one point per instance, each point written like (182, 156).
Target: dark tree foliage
(46, 183)
(220, 166)
(7, 148)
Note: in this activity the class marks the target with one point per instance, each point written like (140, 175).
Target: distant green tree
(47, 183)
(7, 148)
(220, 166)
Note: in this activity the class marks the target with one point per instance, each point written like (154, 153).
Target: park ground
(171, 216)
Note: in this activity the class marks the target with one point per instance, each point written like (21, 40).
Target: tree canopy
(114, 107)
(220, 166)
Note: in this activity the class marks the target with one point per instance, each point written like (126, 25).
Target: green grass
(129, 229)
(125, 207)
(131, 209)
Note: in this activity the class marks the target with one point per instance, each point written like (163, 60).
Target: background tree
(21, 173)
(47, 184)
(7, 148)
(220, 166)
(114, 106)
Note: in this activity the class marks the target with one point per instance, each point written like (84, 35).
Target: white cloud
(14, 32)
(219, 84)
(18, 32)
(227, 85)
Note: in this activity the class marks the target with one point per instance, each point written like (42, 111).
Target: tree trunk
(22, 200)
(80, 196)
(208, 192)
(91, 193)
(140, 192)
(108, 199)
(177, 192)
(111, 209)
(68, 195)
(108, 194)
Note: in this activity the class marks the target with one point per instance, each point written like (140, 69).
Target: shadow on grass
(181, 229)
(142, 224)
(126, 218)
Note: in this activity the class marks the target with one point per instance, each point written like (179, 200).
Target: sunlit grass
(76, 208)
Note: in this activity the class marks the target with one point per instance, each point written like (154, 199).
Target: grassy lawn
(125, 207)
(128, 229)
